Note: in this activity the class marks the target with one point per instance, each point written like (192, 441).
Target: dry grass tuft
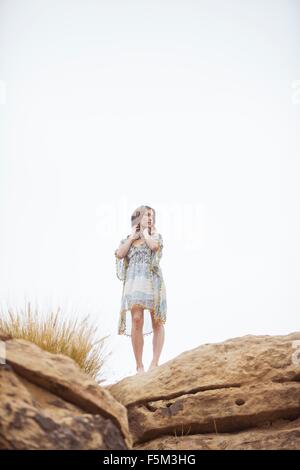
(72, 337)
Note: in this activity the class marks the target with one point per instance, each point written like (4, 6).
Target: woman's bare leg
(158, 340)
(137, 338)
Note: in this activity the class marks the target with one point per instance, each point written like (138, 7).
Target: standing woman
(143, 303)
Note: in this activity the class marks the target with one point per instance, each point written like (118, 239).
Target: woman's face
(147, 219)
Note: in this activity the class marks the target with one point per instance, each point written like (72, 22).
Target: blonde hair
(137, 215)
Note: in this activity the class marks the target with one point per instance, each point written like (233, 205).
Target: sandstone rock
(243, 393)
(47, 402)
(283, 436)
(227, 389)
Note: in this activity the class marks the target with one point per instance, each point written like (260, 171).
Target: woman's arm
(153, 244)
(121, 252)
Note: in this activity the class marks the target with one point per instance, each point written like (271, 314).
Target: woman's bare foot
(140, 370)
(152, 366)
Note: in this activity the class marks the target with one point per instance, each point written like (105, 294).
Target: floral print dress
(143, 285)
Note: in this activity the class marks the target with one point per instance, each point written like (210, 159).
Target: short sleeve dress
(143, 284)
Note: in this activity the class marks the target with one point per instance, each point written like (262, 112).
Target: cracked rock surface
(243, 393)
(47, 402)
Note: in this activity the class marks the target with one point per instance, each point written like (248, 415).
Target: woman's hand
(134, 234)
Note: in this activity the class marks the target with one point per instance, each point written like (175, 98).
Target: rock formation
(243, 393)
(47, 402)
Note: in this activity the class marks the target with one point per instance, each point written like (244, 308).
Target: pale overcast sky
(191, 107)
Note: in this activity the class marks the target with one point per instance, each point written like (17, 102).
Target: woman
(137, 265)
